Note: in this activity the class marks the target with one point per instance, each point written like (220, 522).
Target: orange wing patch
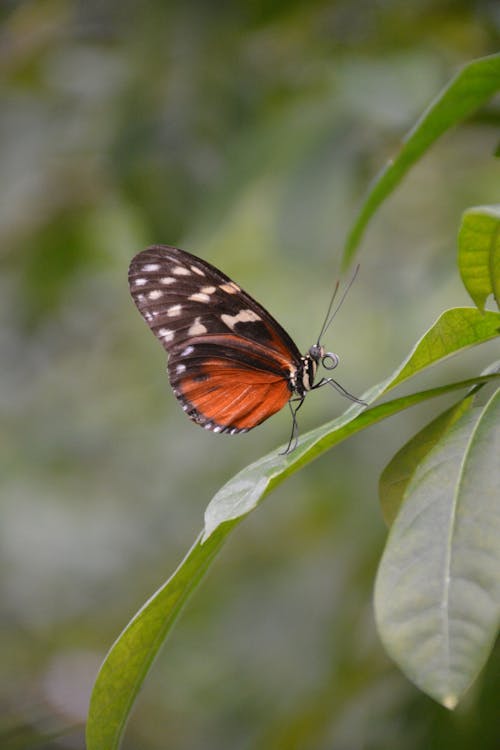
(232, 397)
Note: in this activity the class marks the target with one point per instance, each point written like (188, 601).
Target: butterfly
(230, 363)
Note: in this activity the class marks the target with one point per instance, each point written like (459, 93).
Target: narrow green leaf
(454, 330)
(473, 85)
(437, 595)
(397, 474)
(129, 659)
(479, 253)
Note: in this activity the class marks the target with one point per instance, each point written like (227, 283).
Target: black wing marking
(183, 298)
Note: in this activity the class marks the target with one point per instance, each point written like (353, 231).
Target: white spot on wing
(181, 271)
(151, 267)
(230, 287)
(197, 270)
(197, 329)
(166, 334)
(155, 294)
(173, 311)
(140, 282)
(207, 289)
(187, 351)
(180, 368)
(244, 316)
(167, 280)
(199, 297)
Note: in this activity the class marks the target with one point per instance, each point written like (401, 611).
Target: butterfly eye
(330, 361)
(316, 352)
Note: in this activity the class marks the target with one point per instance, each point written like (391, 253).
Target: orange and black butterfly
(231, 365)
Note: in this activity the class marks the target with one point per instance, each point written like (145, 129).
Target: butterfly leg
(292, 443)
(339, 388)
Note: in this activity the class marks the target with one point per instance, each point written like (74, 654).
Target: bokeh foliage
(247, 133)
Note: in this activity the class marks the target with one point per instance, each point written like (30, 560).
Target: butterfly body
(231, 365)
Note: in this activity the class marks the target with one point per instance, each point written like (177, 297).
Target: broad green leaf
(400, 469)
(479, 253)
(437, 595)
(397, 474)
(473, 85)
(130, 658)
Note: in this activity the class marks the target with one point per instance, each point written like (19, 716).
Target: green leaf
(455, 330)
(437, 595)
(479, 253)
(399, 471)
(473, 85)
(130, 658)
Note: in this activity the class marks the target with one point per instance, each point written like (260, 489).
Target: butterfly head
(309, 364)
(329, 360)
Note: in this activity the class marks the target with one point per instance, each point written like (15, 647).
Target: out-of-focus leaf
(479, 253)
(473, 85)
(437, 596)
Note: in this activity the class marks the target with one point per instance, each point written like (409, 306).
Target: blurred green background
(245, 132)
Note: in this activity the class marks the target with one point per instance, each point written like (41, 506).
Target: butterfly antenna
(329, 318)
(325, 322)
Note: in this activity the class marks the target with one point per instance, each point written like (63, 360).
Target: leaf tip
(450, 702)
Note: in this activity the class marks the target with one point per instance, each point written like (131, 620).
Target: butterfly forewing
(230, 363)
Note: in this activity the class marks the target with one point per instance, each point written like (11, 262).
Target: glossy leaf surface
(479, 253)
(437, 596)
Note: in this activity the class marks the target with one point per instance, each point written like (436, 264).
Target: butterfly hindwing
(224, 396)
(230, 362)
